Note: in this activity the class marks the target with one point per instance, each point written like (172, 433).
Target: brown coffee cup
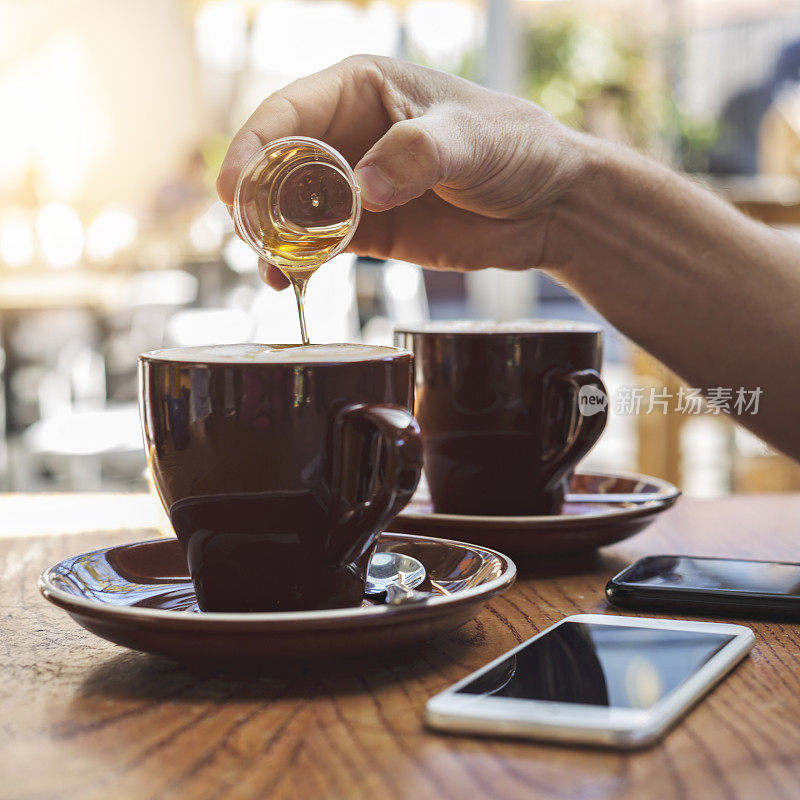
(280, 465)
(506, 411)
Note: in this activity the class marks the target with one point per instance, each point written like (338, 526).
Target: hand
(457, 177)
(452, 175)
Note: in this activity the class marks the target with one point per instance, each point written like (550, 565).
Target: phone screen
(601, 665)
(721, 574)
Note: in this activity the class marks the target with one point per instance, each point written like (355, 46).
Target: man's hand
(452, 176)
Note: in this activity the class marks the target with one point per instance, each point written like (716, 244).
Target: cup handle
(366, 501)
(586, 428)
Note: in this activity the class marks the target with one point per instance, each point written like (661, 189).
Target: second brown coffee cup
(506, 411)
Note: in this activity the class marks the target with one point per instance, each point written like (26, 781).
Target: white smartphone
(594, 679)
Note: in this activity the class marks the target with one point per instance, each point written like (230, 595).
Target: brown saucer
(580, 526)
(140, 596)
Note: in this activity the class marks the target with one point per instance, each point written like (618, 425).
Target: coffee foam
(516, 326)
(276, 353)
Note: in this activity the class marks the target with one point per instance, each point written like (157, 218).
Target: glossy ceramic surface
(499, 412)
(140, 596)
(279, 476)
(580, 526)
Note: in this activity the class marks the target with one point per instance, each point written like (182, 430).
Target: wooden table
(81, 718)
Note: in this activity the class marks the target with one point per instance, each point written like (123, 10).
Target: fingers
(402, 165)
(413, 156)
(304, 108)
(277, 116)
(340, 105)
(271, 275)
(435, 234)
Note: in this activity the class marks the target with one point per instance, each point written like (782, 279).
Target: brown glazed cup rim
(161, 356)
(282, 620)
(517, 328)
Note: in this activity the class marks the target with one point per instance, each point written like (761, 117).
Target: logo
(591, 400)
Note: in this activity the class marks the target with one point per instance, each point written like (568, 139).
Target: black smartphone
(708, 585)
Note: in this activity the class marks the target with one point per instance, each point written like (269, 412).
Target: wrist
(586, 205)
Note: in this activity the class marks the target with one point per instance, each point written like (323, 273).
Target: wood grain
(81, 718)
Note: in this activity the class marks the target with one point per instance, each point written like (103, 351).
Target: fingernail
(376, 188)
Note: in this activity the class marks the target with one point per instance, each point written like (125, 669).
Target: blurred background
(116, 119)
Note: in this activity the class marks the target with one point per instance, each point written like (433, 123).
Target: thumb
(409, 159)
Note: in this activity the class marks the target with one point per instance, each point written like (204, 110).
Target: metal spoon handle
(397, 594)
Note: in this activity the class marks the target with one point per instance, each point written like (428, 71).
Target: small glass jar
(297, 204)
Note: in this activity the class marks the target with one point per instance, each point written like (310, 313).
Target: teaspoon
(395, 575)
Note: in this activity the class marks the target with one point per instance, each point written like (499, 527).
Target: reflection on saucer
(584, 524)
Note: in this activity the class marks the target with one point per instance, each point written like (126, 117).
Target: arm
(711, 293)
(454, 176)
